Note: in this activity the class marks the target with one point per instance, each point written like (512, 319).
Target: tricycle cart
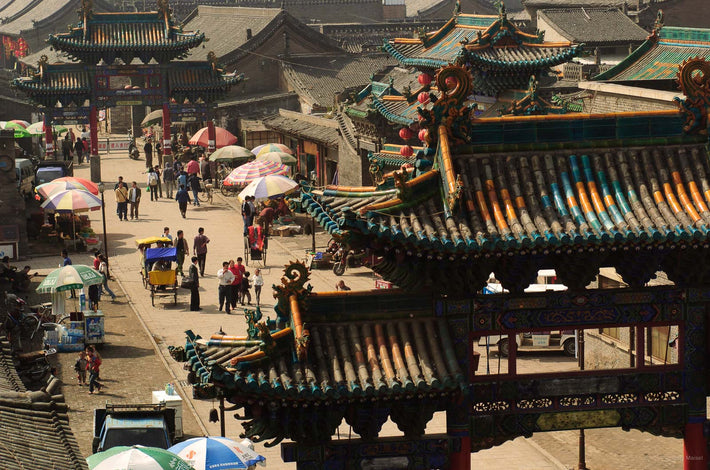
(256, 244)
(162, 277)
(143, 245)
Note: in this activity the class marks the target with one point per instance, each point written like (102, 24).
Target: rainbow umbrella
(136, 458)
(265, 148)
(222, 138)
(71, 200)
(90, 186)
(248, 172)
(206, 453)
(268, 186)
(46, 189)
(278, 157)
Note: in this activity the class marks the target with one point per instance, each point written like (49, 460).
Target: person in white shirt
(166, 233)
(225, 277)
(258, 283)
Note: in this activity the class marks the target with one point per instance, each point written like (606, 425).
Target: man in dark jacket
(182, 197)
(79, 149)
(193, 275)
(148, 149)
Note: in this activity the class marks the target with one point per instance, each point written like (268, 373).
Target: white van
(25, 176)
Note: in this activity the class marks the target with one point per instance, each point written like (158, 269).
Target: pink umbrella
(222, 138)
(248, 172)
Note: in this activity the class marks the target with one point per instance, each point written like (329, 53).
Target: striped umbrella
(222, 138)
(265, 148)
(71, 200)
(268, 186)
(231, 153)
(90, 186)
(19, 130)
(73, 276)
(136, 458)
(46, 189)
(207, 453)
(21, 123)
(37, 128)
(278, 157)
(248, 172)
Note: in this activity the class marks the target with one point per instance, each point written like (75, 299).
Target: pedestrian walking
(226, 278)
(193, 181)
(153, 179)
(67, 148)
(246, 294)
(66, 261)
(258, 284)
(238, 270)
(166, 233)
(134, 199)
(182, 249)
(93, 366)
(194, 277)
(160, 186)
(183, 198)
(85, 144)
(182, 178)
(103, 269)
(247, 215)
(148, 149)
(94, 296)
(159, 153)
(199, 247)
(122, 202)
(169, 180)
(79, 150)
(80, 368)
(120, 180)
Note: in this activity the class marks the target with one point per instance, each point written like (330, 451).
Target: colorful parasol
(73, 276)
(21, 123)
(19, 130)
(71, 200)
(136, 458)
(278, 157)
(90, 186)
(266, 148)
(231, 153)
(268, 186)
(248, 172)
(38, 128)
(206, 453)
(222, 138)
(46, 189)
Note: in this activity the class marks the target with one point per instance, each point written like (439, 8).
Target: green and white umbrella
(73, 276)
(136, 458)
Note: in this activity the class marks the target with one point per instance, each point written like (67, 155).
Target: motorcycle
(349, 258)
(133, 151)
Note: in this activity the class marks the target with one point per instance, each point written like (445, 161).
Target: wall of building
(610, 98)
(349, 165)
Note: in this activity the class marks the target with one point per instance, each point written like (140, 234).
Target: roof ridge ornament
(85, 14)
(657, 26)
(694, 81)
(165, 12)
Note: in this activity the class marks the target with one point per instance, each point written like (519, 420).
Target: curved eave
(389, 115)
(412, 61)
(549, 61)
(32, 88)
(222, 86)
(71, 44)
(628, 61)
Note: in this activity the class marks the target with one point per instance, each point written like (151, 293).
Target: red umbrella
(222, 138)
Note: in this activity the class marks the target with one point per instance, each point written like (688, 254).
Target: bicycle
(205, 195)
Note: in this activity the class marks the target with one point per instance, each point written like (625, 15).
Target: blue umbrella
(212, 453)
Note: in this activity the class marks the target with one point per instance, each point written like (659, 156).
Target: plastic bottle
(82, 302)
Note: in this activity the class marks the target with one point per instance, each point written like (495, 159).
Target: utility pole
(582, 464)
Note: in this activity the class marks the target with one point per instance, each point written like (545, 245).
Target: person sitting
(256, 239)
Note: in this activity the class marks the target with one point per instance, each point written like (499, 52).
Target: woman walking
(194, 276)
(258, 283)
(93, 364)
(103, 269)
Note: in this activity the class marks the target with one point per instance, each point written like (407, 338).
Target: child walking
(258, 284)
(245, 294)
(80, 368)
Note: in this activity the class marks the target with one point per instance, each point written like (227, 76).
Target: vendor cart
(162, 277)
(256, 244)
(143, 245)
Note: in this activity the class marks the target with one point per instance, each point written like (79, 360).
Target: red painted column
(461, 460)
(48, 138)
(167, 150)
(318, 172)
(93, 130)
(211, 137)
(694, 447)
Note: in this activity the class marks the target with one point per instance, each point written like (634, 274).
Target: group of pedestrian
(235, 285)
(96, 291)
(80, 147)
(89, 360)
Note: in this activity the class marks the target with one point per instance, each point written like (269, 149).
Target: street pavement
(166, 323)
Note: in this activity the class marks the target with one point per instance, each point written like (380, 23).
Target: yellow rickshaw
(143, 245)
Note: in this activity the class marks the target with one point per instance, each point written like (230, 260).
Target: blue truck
(128, 425)
(50, 170)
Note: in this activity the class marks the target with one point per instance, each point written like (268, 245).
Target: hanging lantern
(423, 97)
(423, 134)
(451, 82)
(406, 151)
(424, 79)
(405, 133)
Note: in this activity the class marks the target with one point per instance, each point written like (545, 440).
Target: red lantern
(423, 134)
(423, 97)
(405, 133)
(406, 151)
(451, 82)
(424, 79)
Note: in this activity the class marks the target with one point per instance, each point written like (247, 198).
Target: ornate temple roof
(331, 349)
(35, 422)
(110, 36)
(659, 56)
(521, 184)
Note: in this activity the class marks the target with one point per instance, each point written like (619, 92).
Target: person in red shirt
(238, 270)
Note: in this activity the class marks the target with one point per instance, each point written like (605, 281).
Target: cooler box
(174, 402)
(93, 327)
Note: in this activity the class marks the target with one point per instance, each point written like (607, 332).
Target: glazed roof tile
(314, 128)
(658, 58)
(318, 79)
(594, 25)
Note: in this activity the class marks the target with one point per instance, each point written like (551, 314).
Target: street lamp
(103, 220)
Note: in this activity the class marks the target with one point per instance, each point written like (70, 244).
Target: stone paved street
(135, 359)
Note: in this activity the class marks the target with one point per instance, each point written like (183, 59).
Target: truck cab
(128, 425)
(50, 170)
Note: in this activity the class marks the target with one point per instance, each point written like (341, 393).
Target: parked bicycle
(205, 195)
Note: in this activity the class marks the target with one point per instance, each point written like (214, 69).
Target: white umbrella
(268, 186)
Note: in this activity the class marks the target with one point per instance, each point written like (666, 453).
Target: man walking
(169, 180)
(148, 149)
(247, 215)
(79, 149)
(122, 202)
(134, 199)
(166, 233)
(199, 247)
(225, 277)
(182, 197)
(182, 250)
(238, 270)
(66, 148)
(153, 184)
(194, 182)
(195, 286)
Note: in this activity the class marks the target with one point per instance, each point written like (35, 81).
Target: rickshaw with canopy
(256, 244)
(162, 276)
(143, 245)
